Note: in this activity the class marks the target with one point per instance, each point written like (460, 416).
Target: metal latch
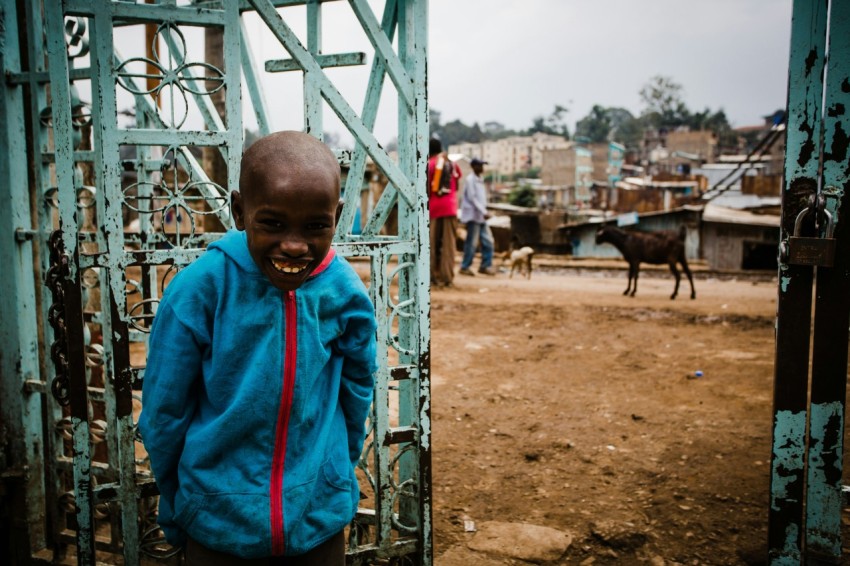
(812, 251)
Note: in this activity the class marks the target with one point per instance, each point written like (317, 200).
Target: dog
(520, 260)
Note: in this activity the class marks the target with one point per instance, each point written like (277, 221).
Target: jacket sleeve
(357, 345)
(169, 400)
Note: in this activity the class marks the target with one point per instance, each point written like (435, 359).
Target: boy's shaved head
(296, 152)
(288, 205)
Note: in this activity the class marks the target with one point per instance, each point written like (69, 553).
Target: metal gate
(104, 196)
(808, 426)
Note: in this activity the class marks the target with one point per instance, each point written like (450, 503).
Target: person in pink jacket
(443, 176)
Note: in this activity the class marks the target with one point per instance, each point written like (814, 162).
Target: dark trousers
(329, 553)
(443, 234)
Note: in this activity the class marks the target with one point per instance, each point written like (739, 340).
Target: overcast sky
(510, 61)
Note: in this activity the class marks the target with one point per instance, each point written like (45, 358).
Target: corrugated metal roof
(636, 183)
(722, 214)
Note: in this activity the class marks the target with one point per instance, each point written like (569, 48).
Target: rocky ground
(570, 427)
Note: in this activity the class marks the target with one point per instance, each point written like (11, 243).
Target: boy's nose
(293, 247)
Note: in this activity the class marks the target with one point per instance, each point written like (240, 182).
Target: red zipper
(289, 366)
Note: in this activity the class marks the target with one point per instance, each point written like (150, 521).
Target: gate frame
(807, 453)
(399, 455)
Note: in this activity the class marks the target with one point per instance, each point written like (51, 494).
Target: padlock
(812, 251)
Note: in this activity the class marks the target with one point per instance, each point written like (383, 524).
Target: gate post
(808, 414)
(787, 483)
(832, 309)
(21, 456)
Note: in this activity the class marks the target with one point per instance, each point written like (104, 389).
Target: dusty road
(561, 403)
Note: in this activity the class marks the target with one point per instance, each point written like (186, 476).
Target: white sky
(510, 61)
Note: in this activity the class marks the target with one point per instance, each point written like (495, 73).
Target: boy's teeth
(287, 268)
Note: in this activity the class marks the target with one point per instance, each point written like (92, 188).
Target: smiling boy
(260, 374)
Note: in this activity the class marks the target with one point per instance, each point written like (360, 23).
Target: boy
(259, 375)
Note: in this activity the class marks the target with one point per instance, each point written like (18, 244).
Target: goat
(520, 260)
(650, 247)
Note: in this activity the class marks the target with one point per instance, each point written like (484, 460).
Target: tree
(556, 121)
(493, 128)
(662, 103)
(434, 121)
(611, 124)
(553, 124)
(523, 196)
(629, 133)
(332, 139)
(456, 132)
(596, 126)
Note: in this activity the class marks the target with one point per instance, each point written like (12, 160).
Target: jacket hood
(234, 244)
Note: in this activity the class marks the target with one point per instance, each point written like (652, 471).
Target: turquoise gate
(809, 395)
(108, 187)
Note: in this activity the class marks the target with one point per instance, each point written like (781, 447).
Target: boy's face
(290, 220)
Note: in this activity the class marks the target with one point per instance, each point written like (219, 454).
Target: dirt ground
(560, 402)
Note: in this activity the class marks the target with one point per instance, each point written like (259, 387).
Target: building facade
(511, 155)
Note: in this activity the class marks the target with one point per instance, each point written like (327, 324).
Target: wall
(762, 185)
(513, 154)
(724, 245)
(702, 143)
(599, 159)
(558, 167)
(583, 236)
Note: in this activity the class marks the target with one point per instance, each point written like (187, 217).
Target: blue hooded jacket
(255, 402)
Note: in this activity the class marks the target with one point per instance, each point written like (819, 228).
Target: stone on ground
(522, 541)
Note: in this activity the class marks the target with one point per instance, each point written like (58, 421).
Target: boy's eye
(270, 223)
(317, 226)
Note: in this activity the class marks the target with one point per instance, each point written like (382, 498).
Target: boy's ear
(339, 210)
(237, 210)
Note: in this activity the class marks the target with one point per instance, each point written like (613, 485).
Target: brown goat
(650, 247)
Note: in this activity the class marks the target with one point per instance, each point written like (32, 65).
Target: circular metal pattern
(153, 544)
(401, 309)
(172, 73)
(64, 428)
(169, 274)
(173, 202)
(141, 320)
(76, 37)
(85, 197)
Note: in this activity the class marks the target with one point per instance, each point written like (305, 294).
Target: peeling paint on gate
(788, 452)
(806, 463)
(89, 459)
(825, 465)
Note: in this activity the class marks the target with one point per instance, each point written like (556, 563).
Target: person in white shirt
(473, 214)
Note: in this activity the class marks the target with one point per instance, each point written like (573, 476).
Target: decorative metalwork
(172, 203)
(173, 74)
(76, 37)
(61, 384)
(134, 204)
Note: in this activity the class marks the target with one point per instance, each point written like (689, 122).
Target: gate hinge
(34, 386)
(24, 234)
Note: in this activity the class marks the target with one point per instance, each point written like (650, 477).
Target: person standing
(473, 213)
(260, 374)
(443, 177)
